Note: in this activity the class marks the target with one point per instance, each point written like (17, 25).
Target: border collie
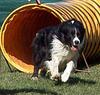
(57, 48)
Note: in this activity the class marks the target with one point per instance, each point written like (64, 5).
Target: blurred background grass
(6, 6)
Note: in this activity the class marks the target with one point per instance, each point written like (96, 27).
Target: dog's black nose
(76, 42)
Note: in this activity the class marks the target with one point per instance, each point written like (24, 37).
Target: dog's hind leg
(43, 71)
(35, 74)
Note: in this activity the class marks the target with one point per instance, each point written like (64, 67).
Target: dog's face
(72, 33)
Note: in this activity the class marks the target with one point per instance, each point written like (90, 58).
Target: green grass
(19, 83)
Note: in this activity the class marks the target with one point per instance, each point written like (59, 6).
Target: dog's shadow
(26, 90)
(76, 80)
(71, 81)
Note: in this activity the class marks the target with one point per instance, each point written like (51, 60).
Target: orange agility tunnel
(21, 26)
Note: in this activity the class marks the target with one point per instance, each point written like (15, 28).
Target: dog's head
(72, 33)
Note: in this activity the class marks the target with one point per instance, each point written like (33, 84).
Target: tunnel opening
(19, 31)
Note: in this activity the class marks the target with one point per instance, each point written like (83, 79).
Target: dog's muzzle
(75, 45)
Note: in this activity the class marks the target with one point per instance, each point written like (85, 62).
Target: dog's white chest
(60, 51)
(58, 48)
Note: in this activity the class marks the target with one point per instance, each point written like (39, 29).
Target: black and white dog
(57, 48)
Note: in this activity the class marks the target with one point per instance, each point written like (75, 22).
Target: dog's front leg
(67, 71)
(53, 68)
(55, 75)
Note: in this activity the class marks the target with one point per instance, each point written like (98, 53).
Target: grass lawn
(19, 83)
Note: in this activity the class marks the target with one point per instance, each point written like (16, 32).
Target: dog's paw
(35, 78)
(64, 78)
(55, 78)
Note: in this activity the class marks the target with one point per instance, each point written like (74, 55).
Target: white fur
(76, 39)
(67, 71)
(60, 53)
(72, 21)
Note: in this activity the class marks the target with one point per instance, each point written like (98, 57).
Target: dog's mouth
(74, 48)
